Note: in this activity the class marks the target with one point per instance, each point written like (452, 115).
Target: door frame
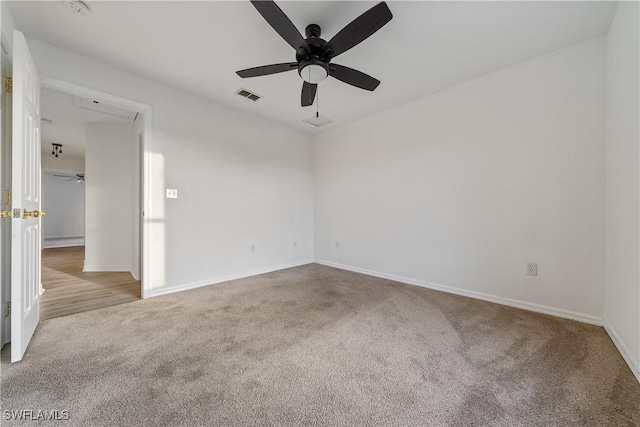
(146, 110)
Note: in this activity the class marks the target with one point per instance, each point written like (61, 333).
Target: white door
(25, 188)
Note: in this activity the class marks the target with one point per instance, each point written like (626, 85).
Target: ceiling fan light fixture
(313, 54)
(313, 71)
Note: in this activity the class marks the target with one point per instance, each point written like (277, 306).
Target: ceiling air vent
(249, 95)
(318, 121)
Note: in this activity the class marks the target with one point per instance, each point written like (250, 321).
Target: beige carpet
(316, 345)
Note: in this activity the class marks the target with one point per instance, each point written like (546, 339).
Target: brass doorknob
(33, 214)
(6, 214)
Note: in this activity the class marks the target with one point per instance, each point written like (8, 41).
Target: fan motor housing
(313, 30)
(315, 44)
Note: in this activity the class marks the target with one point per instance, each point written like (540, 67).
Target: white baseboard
(62, 242)
(201, 283)
(567, 314)
(97, 268)
(623, 349)
(62, 245)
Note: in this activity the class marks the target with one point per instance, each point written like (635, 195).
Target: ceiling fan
(79, 177)
(314, 55)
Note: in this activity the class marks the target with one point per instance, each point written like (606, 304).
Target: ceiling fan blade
(308, 94)
(353, 77)
(358, 30)
(267, 69)
(281, 23)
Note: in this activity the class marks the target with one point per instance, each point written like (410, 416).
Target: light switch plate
(172, 193)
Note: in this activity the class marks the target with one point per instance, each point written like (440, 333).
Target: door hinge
(17, 213)
(7, 196)
(8, 84)
(8, 312)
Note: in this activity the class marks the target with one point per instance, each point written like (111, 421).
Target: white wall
(7, 24)
(63, 201)
(622, 301)
(64, 163)
(109, 181)
(462, 188)
(241, 180)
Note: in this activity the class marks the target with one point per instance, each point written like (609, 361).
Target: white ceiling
(427, 46)
(68, 122)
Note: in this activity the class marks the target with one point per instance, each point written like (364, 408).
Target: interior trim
(147, 112)
(98, 268)
(201, 283)
(623, 349)
(538, 308)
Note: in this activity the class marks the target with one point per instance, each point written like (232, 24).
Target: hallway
(68, 290)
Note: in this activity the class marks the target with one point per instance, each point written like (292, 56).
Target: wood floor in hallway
(68, 290)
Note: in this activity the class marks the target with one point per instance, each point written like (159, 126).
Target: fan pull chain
(317, 102)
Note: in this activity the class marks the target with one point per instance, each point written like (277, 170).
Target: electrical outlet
(532, 269)
(172, 193)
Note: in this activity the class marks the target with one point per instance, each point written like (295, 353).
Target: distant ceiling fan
(79, 177)
(314, 55)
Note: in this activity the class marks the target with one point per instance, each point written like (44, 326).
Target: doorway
(21, 175)
(91, 177)
(22, 259)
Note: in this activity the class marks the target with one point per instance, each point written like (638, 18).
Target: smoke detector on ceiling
(77, 7)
